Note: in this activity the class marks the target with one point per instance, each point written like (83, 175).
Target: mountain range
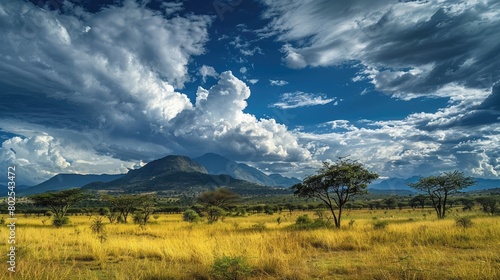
(66, 181)
(180, 174)
(217, 164)
(173, 175)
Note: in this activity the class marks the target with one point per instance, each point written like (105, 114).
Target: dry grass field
(414, 245)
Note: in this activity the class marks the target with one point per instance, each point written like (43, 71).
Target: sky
(405, 87)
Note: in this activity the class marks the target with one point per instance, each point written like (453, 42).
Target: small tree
(221, 197)
(126, 204)
(190, 216)
(488, 203)
(438, 188)
(335, 184)
(214, 213)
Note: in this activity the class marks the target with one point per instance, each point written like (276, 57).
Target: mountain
(394, 184)
(399, 184)
(217, 164)
(175, 175)
(284, 181)
(67, 181)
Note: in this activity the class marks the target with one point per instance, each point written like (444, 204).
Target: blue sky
(406, 87)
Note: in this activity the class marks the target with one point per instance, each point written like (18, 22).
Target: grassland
(413, 246)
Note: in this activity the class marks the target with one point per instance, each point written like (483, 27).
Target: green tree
(126, 204)
(60, 202)
(335, 184)
(190, 216)
(488, 204)
(418, 200)
(221, 197)
(438, 188)
(214, 213)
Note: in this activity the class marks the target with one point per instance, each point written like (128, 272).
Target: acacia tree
(59, 202)
(221, 197)
(335, 184)
(438, 188)
(126, 204)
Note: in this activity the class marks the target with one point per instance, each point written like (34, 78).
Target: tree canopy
(220, 197)
(335, 184)
(126, 204)
(60, 202)
(439, 187)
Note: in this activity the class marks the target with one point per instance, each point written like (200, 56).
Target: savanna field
(372, 244)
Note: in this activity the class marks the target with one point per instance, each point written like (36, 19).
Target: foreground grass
(412, 246)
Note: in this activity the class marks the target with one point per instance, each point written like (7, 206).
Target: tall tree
(438, 188)
(60, 202)
(335, 184)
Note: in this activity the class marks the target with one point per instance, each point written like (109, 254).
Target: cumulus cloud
(278, 83)
(406, 47)
(299, 99)
(218, 123)
(40, 157)
(99, 93)
(207, 71)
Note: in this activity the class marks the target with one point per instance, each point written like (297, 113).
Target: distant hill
(393, 184)
(67, 181)
(284, 181)
(177, 174)
(217, 164)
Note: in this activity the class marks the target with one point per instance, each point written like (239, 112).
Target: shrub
(259, 227)
(380, 225)
(2, 221)
(139, 218)
(464, 222)
(214, 213)
(304, 219)
(227, 267)
(49, 214)
(59, 222)
(304, 222)
(190, 216)
(97, 226)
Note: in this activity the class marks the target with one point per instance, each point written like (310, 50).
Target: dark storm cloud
(408, 48)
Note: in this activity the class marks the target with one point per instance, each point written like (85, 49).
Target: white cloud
(253, 81)
(278, 83)
(207, 71)
(243, 70)
(217, 123)
(406, 47)
(40, 157)
(299, 99)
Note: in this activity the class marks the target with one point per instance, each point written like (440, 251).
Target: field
(413, 245)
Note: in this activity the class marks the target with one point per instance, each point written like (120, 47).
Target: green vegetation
(335, 184)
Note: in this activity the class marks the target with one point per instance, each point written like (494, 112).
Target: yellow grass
(410, 247)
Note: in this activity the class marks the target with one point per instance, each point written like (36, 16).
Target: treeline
(489, 204)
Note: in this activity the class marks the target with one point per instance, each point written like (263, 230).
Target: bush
(97, 226)
(139, 218)
(304, 219)
(464, 222)
(190, 216)
(227, 267)
(214, 213)
(380, 225)
(49, 214)
(304, 222)
(59, 222)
